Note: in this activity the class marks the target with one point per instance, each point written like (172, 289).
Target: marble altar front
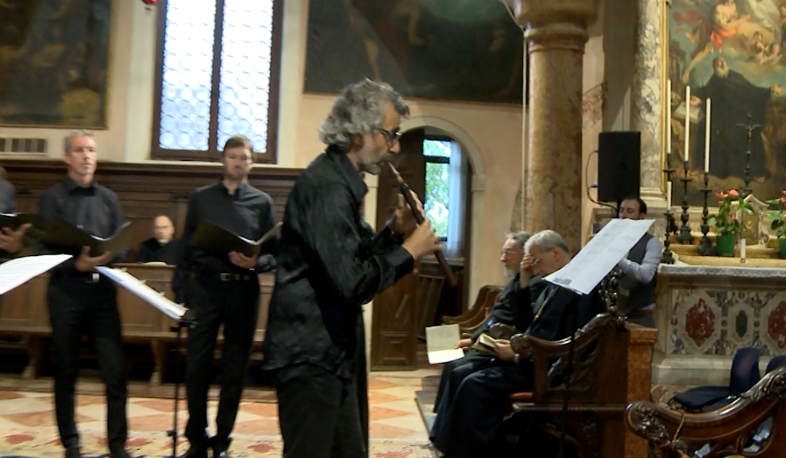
(705, 313)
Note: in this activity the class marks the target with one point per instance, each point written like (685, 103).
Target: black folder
(39, 226)
(218, 241)
(67, 238)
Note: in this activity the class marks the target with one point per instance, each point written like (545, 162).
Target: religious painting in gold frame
(54, 59)
(732, 52)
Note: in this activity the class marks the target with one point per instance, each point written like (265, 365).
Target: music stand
(187, 321)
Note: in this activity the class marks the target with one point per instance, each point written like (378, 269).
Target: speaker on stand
(619, 165)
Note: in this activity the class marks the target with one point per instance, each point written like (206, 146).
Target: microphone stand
(405, 191)
(187, 321)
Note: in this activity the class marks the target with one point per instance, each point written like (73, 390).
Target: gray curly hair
(359, 111)
(546, 240)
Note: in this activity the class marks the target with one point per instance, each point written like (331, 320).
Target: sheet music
(440, 341)
(146, 293)
(600, 255)
(17, 271)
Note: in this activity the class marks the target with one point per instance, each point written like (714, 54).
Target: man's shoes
(121, 453)
(74, 451)
(196, 451)
(220, 448)
(221, 454)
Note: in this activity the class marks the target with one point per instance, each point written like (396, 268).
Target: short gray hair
(359, 111)
(520, 237)
(74, 134)
(546, 240)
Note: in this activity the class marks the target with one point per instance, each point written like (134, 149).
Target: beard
(370, 167)
(509, 273)
(722, 72)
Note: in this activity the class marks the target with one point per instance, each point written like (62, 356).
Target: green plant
(725, 221)
(778, 223)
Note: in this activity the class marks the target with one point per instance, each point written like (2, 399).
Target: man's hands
(526, 271)
(242, 261)
(87, 263)
(504, 350)
(11, 240)
(422, 241)
(403, 220)
(464, 343)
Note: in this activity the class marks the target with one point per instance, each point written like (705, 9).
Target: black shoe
(220, 448)
(221, 454)
(121, 453)
(74, 451)
(196, 451)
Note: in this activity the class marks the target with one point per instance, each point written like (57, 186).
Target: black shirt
(247, 213)
(329, 265)
(152, 251)
(94, 209)
(7, 194)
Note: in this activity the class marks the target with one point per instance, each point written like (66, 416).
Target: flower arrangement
(778, 217)
(725, 221)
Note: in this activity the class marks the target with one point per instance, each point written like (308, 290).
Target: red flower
(732, 217)
(783, 199)
(733, 193)
(721, 194)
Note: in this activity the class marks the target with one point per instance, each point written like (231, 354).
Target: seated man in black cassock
(162, 247)
(501, 311)
(469, 418)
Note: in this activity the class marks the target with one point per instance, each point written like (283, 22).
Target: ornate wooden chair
(476, 308)
(754, 425)
(611, 367)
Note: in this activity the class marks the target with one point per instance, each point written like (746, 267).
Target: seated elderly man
(501, 312)
(162, 247)
(469, 418)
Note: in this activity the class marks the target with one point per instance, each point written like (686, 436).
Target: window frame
(269, 156)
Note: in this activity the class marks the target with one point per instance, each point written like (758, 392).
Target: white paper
(440, 341)
(17, 271)
(600, 255)
(146, 293)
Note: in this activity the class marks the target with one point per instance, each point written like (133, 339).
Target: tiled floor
(393, 412)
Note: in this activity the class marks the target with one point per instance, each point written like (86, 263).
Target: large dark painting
(442, 49)
(53, 62)
(732, 52)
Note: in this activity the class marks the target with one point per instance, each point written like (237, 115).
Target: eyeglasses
(392, 135)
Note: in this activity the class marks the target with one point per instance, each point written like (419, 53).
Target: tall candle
(707, 139)
(687, 122)
(668, 195)
(742, 248)
(668, 116)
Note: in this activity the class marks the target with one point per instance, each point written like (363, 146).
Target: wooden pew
(611, 368)
(24, 314)
(732, 430)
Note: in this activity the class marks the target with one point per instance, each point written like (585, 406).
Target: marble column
(556, 32)
(647, 112)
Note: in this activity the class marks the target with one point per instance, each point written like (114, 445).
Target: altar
(705, 313)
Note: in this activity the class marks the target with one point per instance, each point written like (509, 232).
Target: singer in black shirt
(222, 290)
(330, 264)
(82, 300)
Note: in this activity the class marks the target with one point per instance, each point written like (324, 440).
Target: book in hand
(64, 237)
(484, 343)
(217, 241)
(39, 226)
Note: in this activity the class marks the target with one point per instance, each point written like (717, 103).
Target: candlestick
(668, 194)
(668, 116)
(707, 139)
(687, 124)
(749, 128)
(705, 244)
(742, 247)
(685, 236)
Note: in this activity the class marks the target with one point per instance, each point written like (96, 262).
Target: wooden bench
(24, 314)
(611, 368)
(473, 318)
(738, 429)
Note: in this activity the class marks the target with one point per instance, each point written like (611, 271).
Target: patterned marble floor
(27, 425)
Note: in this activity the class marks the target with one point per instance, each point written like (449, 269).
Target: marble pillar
(647, 111)
(556, 32)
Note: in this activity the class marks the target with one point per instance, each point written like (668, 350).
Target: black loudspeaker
(619, 165)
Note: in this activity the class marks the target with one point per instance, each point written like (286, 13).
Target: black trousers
(469, 419)
(235, 304)
(475, 359)
(319, 413)
(78, 307)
